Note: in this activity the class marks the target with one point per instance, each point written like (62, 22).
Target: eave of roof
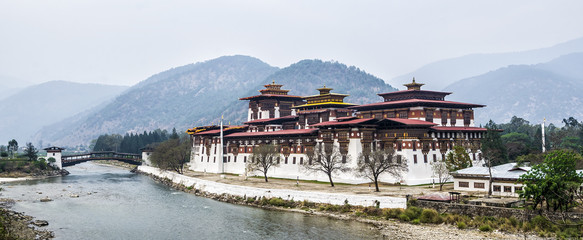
(267, 120)
(218, 131)
(407, 91)
(467, 129)
(271, 96)
(308, 131)
(349, 122)
(330, 104)
(417, 102)
(411, 122)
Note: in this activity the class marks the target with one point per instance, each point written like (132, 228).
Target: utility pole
(543, 134)
(221, 149)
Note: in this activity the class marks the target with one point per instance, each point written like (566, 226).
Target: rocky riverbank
(16, 225)
(23, 176)
(390, 229)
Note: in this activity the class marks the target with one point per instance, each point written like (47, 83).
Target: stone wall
(286, 194)
(477, 210)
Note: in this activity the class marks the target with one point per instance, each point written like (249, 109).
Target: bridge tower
(55, 152)
(146, 153)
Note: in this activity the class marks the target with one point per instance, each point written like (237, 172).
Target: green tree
(457, 159)
(326, 158)
(372, 164)
(31, 152)
(174, 134)
(12, 147)
(263, 158)
(493, 150)
(172, 154)
(555, 182)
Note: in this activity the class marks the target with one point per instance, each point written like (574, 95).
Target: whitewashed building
(504, 179)
(419, 125)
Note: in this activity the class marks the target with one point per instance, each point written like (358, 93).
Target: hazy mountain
(200, 93)
(550, 90)
(36, 106)
(440, 74)
(181, 97)
(11, 85)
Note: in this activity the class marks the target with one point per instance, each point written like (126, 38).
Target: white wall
(242, 191)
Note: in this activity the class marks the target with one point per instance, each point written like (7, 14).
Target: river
(116, 204)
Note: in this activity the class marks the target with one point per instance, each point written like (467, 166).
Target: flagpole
(543, 134)
(221, 150)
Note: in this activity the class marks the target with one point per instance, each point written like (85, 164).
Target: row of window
(495, 188)
(425, 158)
(228, 159)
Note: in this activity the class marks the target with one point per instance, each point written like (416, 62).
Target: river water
(116, 204)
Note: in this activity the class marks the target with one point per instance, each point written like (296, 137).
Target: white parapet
(286, 194)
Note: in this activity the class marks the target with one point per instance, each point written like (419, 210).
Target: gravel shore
(16, 225)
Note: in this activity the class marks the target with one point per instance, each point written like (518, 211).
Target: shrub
(413, 212)
(277, 202)
(540, 222)
(404, 217)
(416, 222)
(461, 225)
(430, 216)
(485, 228)
(394, 213)
(373, 211)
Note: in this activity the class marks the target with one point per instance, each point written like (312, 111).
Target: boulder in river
(40, 223)
(46, 199)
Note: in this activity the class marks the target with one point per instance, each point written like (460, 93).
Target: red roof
(349, 122)
(217, 131)
(265, 120)
(443, 128)
(313, 111)
(345, 118)
(274, 133)
(407, 121)
(270, 95)
(417, 102)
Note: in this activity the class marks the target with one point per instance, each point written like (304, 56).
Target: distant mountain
(200, 93)
(440, 74)
(549, 90)
(181, 97)
(11, 85)
(27, 111)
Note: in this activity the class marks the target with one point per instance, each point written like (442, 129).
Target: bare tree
(325, 158)
(440, 171)
(372, 164)
(172, 154)
(263, 158)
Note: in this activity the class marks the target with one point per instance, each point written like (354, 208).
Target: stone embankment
(216, 188)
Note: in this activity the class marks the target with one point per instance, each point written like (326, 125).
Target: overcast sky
(124, 42)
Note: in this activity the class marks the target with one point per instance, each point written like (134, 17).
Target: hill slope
(440, 74)
(27, 111)
(199, 94)
(551, 90)
(180, 97)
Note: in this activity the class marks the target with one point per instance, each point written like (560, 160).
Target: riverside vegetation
(412, 215)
